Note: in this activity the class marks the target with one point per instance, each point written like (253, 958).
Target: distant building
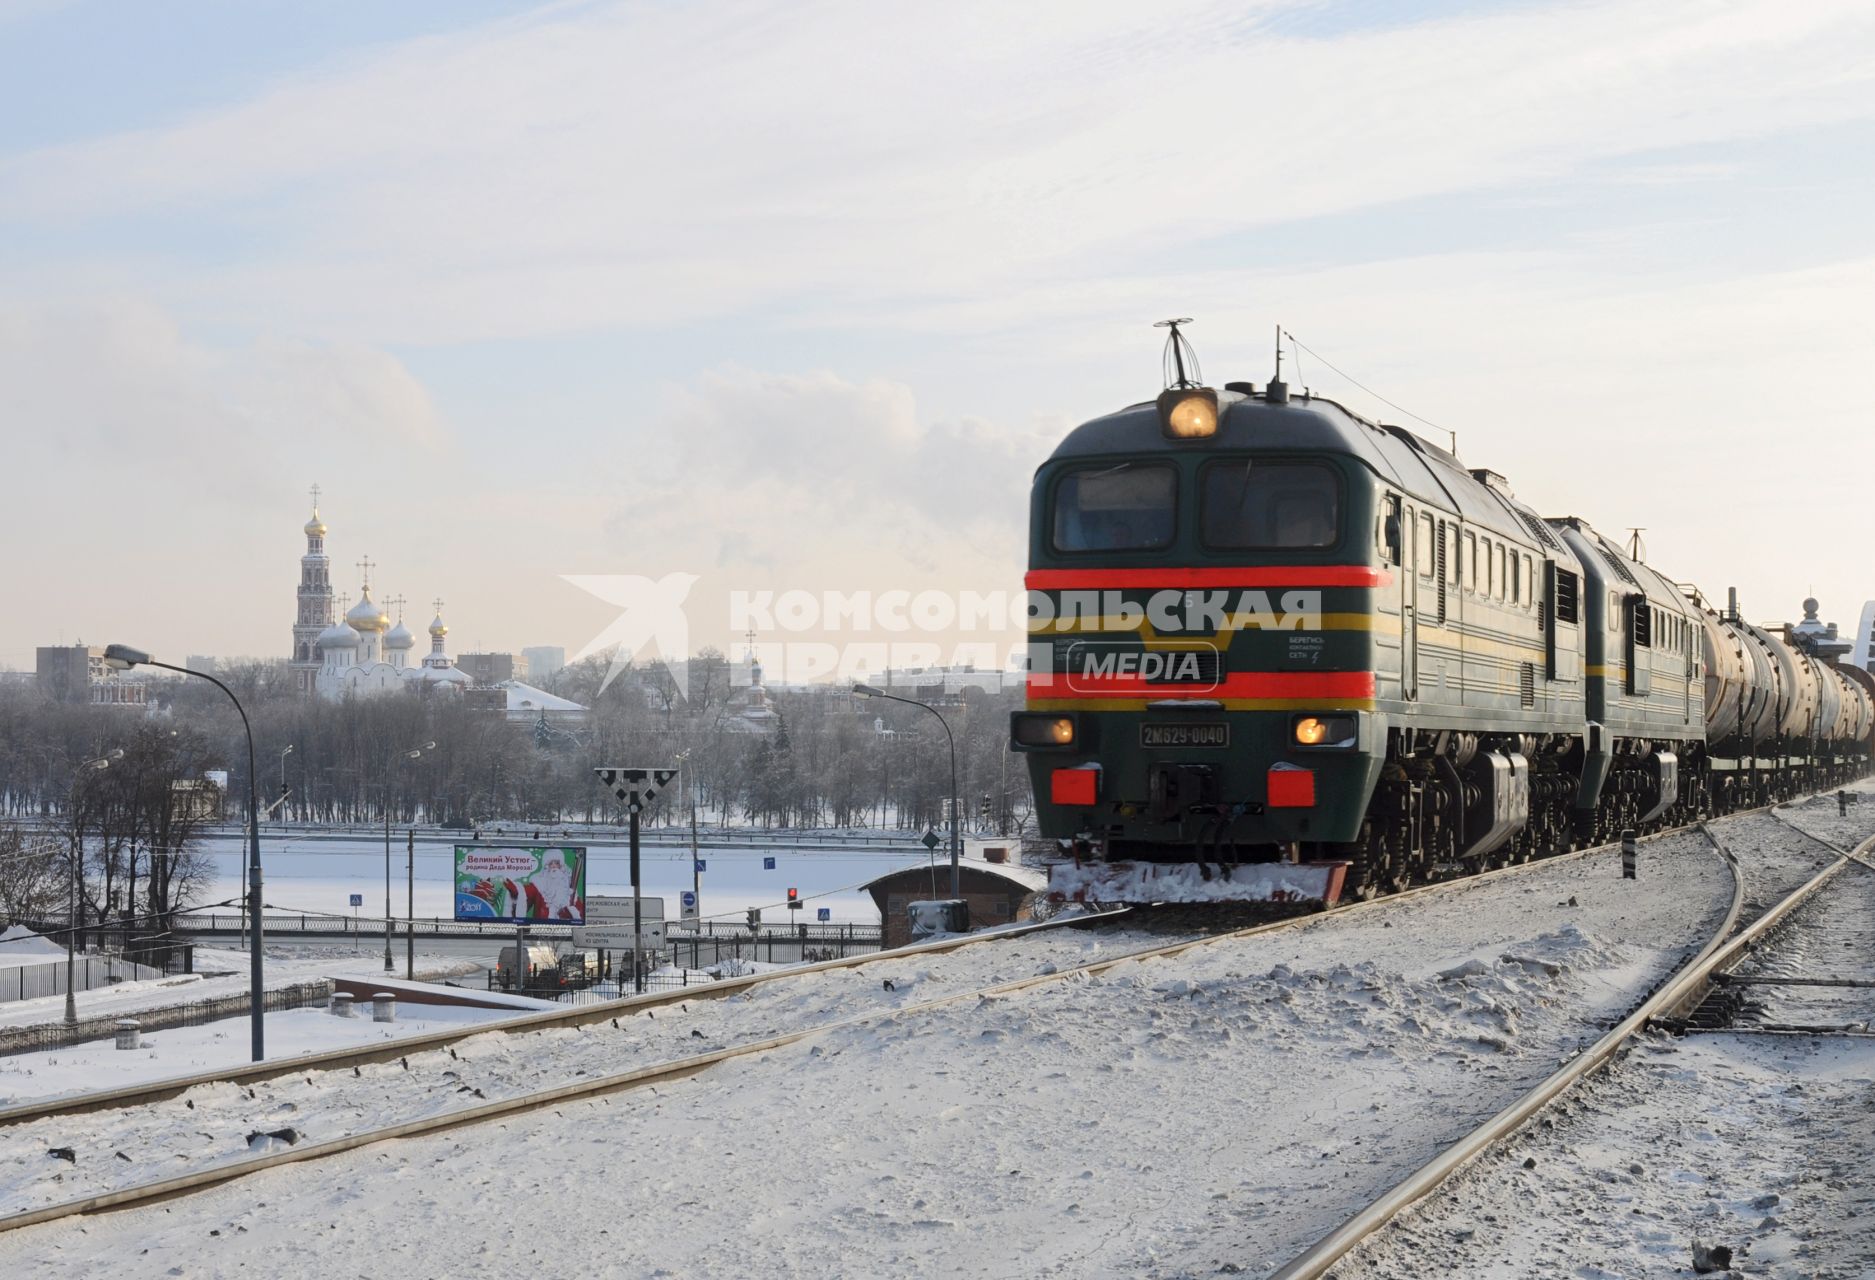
(486, 668)
(522, 702)
(1817, 638)
(363, 652)
(544, 661)
(67, 670)
(1862, 651)
(75, 673)
(202, 663)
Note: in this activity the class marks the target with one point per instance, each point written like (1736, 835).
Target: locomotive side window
(1269, 504)
(1497, 570)
(1422, 558)
(1471, 561)
(1129, 507)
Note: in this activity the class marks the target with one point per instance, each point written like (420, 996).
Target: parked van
(538, 956)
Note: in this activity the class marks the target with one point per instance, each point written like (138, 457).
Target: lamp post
(122, 657)
(957, 878)
(285, 752)
(78, 858)
(390, 965)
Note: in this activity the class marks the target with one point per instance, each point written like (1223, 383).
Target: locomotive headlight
(1188, 413)
(1027, 729)
(1324, 731)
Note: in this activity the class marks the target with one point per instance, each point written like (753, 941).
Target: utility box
(944, 915)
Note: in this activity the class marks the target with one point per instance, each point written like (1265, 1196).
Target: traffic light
(794, 899)
(755, 919)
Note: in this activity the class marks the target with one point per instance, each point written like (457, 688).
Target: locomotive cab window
(1129, 507)
(1269, 504)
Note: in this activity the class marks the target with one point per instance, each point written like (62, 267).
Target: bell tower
(315, 602)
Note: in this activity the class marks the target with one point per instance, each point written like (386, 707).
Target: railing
(37, 981)
(46, 1036)
(861, 937)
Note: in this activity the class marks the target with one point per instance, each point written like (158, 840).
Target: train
(1279, 652)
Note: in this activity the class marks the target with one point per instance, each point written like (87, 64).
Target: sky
(797, 296)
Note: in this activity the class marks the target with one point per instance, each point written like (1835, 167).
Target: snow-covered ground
(1759, 1144)
(1169, 1118)
(219, 973)
(180, 1051)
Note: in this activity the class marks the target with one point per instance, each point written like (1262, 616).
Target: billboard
(515, 883)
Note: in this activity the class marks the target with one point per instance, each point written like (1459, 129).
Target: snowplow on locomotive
(1282, 653)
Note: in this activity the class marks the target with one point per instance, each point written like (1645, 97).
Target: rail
(638, 1077)
(1679, 993)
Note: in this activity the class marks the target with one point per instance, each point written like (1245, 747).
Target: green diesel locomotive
(1280, 652)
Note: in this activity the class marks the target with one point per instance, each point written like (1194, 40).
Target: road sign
(824, 914)
(768, 864)
(929, 840)
(609, 923)
(703, 864)
(635, 787)
(687, 904)
(358, 899)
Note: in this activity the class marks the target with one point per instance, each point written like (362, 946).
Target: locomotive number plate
(1184, 735)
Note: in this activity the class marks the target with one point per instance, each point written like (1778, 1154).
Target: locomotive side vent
(1439, 569)
(1568, 596)
(1526, 684)
(1537, 528)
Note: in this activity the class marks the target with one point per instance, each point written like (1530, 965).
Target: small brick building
(998, 892)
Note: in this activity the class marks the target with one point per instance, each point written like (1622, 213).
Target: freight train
(1281, 652)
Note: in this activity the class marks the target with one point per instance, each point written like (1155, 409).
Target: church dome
(315, 527)
(399, 637)
(438, 627)
(367, 616)
(337, 636)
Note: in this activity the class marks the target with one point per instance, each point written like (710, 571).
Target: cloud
(634, 165)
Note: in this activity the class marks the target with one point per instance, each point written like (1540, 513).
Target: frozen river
(306, 872)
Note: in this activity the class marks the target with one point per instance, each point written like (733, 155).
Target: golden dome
(438, 627)
(366, 616)
(315, 527)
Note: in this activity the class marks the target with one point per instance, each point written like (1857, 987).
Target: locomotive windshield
(1129, 507)
(1250, 503)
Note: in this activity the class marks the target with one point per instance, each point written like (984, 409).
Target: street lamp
(390, 965)
(957, 879)
(287, 751)
(78, 859)
(122, 657)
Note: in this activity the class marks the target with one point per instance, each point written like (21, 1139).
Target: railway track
(271, 1155)
(573, 1016)
(1670, 1004)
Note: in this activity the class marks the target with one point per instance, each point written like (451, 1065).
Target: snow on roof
(21, 941)
(525, 697)
(1029, 878)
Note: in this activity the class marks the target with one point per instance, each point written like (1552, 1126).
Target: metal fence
(56, 1035)
(36, 981)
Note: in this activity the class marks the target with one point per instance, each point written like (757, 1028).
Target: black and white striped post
(635, 789)
(1630, 852)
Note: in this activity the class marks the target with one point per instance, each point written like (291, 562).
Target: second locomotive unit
(1278, 651)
